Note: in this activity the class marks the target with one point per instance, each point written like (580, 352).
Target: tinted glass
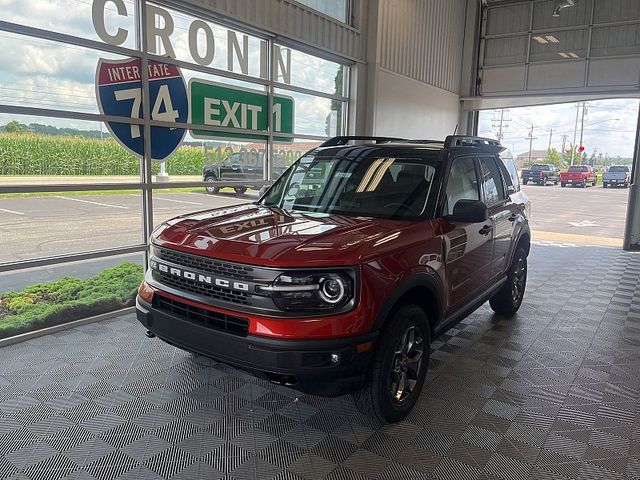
(619, 170)
(578, 168)
(540, 167)
(371, 187)
(462, 183)
(492, 184)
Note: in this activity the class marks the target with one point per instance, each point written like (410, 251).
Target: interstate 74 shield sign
(119, 93)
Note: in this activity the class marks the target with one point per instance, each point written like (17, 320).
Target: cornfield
(42, 155)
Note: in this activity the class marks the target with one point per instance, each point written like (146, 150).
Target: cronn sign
(119, 93)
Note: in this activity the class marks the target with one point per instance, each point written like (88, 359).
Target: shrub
(67, 299)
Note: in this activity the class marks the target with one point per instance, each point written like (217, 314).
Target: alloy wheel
(406, 364)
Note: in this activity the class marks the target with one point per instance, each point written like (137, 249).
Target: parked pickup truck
(541, 173)
(617, 176)
(580, 175)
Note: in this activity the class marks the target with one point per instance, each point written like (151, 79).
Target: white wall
(409, 108)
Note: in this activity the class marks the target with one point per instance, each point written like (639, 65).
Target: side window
(462, 183)
(491, 180)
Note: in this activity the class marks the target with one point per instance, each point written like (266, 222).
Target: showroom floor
(552, 394)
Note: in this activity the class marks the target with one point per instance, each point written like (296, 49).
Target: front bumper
(301, 364)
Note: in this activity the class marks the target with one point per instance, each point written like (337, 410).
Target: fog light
(335, 358)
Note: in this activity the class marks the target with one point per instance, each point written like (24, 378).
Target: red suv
(340, 276)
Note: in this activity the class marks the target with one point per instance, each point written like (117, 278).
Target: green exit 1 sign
(220, 105)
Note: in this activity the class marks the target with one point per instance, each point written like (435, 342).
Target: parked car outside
(541, 173)
(579, 175)
(617, 176)
(339, 277)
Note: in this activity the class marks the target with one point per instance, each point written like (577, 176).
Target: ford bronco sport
(340, 276)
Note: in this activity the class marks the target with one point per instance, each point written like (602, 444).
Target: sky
(609, 126)
(39, 73)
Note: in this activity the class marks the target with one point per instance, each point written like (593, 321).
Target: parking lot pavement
(593, 216)
(35, 227)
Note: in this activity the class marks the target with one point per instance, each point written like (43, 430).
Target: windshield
(368, 187)
(578, 168)
(539, 167)
(618, 169)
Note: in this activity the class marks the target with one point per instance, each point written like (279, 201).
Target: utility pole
(550, 137)
(584, 111)
(564, 146)
(531, 138)
(575, 133)
(500, 123)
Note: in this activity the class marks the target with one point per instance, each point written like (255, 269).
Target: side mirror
(469, 211)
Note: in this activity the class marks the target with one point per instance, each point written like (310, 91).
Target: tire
(508, 299)
(583, 185)
(604, 185)
(594, 183)
(240, 190)
(524, 182)
(556, 183)
(212, 189)
(626, 185)
(375, 398)
(563, 185)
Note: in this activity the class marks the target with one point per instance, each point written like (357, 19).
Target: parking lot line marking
(176, 201)
(92, 203)
(10, 211)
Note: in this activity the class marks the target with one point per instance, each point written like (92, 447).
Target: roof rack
(337, 141)
(469, 141)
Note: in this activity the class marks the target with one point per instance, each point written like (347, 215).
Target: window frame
(445, 185)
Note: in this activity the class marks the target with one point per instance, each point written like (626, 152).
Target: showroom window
(338, 9)
(116, 115)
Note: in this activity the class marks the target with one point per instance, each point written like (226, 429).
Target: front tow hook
(149, 334)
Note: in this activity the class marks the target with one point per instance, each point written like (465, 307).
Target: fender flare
(422, 280)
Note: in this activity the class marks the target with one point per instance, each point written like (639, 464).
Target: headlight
(295, 291)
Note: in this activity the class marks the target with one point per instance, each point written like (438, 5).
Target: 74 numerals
(162, 110)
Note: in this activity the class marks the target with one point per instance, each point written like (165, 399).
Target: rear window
(619, 170)
(578, 169)
(540, 167)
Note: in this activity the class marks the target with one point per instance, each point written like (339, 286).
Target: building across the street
(537, 156)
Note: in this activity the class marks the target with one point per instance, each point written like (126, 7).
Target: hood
(268, 236)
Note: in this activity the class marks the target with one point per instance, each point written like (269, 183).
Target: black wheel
(563, 184)
(604, 185)
(594, 183)
(398, 368)
(524, 182)
(213, 188)
(626, 185)
(509, 298)
(556, 182)
(240, 190)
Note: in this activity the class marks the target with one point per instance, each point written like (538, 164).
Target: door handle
(513, 218)
(485, 230)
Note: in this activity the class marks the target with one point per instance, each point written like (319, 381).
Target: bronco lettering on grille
(198, 277)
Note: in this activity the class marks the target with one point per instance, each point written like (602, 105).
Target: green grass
(47, 304)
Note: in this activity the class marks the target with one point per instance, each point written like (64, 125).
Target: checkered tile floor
(552, 394)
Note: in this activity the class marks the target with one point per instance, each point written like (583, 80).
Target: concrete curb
(64, 326)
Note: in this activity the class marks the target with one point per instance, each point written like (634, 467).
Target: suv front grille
(205, 264)
(210, 291)
(201, 316)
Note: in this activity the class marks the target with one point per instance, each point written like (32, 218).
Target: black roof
(409, 147)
